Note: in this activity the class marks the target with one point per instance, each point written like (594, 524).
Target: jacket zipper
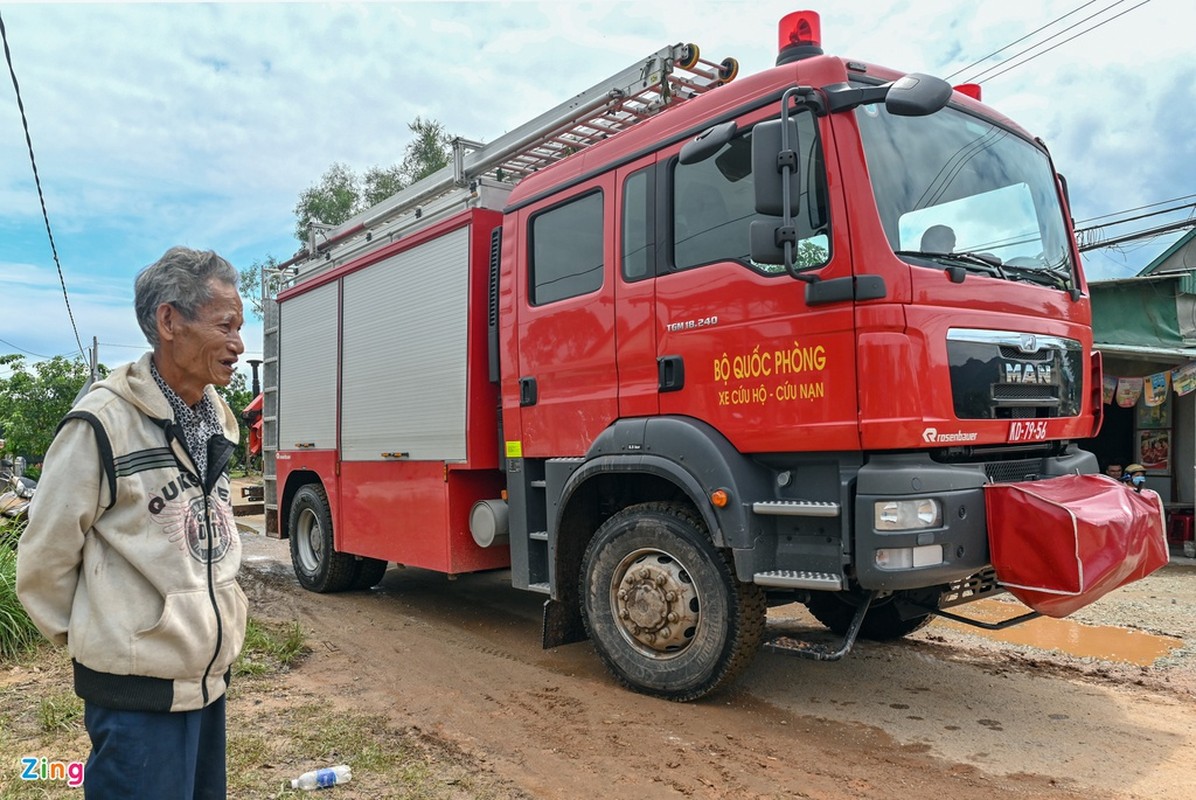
(207, 517)
(207, 514)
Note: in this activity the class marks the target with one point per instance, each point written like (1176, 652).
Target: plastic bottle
(323, 778)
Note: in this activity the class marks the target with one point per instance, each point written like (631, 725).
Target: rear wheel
(663, 606)
(370, 572)
(318, 566)
(883, 622)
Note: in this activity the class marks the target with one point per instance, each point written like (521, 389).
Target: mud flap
(562, 624)
(1059, 544)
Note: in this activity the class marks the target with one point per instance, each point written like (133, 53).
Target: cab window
(566, 250)
(714, 205)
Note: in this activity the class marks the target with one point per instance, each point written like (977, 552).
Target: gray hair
(181, 277)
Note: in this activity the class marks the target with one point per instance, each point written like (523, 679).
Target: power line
(23, 350)
(980, 61)
(38, 182)
(1144, 234)
(1124, 220)
(976, 78)
(1136, 208)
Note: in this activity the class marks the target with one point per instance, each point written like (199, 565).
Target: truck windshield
(956, 190)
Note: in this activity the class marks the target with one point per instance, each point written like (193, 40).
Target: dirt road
(943, 714)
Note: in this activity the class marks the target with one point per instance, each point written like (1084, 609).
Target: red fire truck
(694, 344)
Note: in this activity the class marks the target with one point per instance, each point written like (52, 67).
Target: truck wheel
(663, 606)
(318, 566)
(370, 573)
(836, 609)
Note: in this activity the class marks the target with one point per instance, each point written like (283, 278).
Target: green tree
(332, 200)
(33, 400)
(340, 192)
(250, 283)
(428, 152)
(238, 394)
(379, 183)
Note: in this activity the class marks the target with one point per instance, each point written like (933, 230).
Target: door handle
(527, 392)
(670, 371)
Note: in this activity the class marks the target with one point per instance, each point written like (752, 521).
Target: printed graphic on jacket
(182, 521)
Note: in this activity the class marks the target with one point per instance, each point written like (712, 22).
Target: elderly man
(131, 553)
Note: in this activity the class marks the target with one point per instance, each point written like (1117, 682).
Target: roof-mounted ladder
(670, 75)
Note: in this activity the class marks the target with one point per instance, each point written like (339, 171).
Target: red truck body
(590, 377)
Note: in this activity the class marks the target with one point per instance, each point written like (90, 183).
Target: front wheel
(663, 606)
(318, 566)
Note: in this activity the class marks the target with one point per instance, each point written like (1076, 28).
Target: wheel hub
(311, 540)
(655, 603)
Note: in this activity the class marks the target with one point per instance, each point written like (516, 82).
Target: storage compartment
(1059, 544)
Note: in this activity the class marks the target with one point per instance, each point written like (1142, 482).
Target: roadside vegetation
(276, 730)
(17, 633)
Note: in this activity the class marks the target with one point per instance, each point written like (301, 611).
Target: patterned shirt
(200, 422)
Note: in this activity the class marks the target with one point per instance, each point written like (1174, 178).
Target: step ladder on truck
(683, 348)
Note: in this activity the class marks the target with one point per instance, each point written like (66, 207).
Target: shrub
(17, 632)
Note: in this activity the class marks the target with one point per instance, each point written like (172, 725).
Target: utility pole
(254, 363)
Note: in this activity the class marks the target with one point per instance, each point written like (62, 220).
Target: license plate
(1027, 430)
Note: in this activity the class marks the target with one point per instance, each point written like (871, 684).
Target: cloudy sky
(200, 124)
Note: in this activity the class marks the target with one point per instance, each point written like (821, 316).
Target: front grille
(992, 378)
(1017, 355)
(1013, 471)
(1038, 393)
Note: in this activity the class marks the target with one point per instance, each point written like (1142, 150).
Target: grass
(17, 632)
(278, 728)
(269, 648)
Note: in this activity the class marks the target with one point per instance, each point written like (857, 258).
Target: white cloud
(200, 124)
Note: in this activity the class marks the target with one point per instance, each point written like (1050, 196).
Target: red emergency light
(972, 90)
(799, 36)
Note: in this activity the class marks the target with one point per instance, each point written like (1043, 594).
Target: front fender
(689, 454)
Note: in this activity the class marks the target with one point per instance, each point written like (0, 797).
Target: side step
(796, 508)
(799, 579)
(786, 645)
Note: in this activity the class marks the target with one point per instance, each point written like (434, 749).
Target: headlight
(907, 515)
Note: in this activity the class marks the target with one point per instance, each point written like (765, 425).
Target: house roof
(1162, 257)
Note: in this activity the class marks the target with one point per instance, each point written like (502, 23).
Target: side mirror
(707, 143)
(917, 95)
(770, 157)
(767, 164)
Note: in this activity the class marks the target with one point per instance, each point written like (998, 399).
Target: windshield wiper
(977, 262)
(1045, 276)
(991, 265)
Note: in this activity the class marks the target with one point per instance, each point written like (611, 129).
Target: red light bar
(800, 28)
(799, 36)
(972, 90)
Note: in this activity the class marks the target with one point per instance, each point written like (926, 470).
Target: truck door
(568, 390)
(751, 350)
(635, 291)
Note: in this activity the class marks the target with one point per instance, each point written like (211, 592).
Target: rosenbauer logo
(932, 436)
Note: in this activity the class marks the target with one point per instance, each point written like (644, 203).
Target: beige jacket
(127, 560)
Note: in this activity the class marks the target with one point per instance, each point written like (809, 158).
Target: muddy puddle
(1065, 635)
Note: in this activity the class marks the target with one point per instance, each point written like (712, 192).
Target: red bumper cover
(1059, 544)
